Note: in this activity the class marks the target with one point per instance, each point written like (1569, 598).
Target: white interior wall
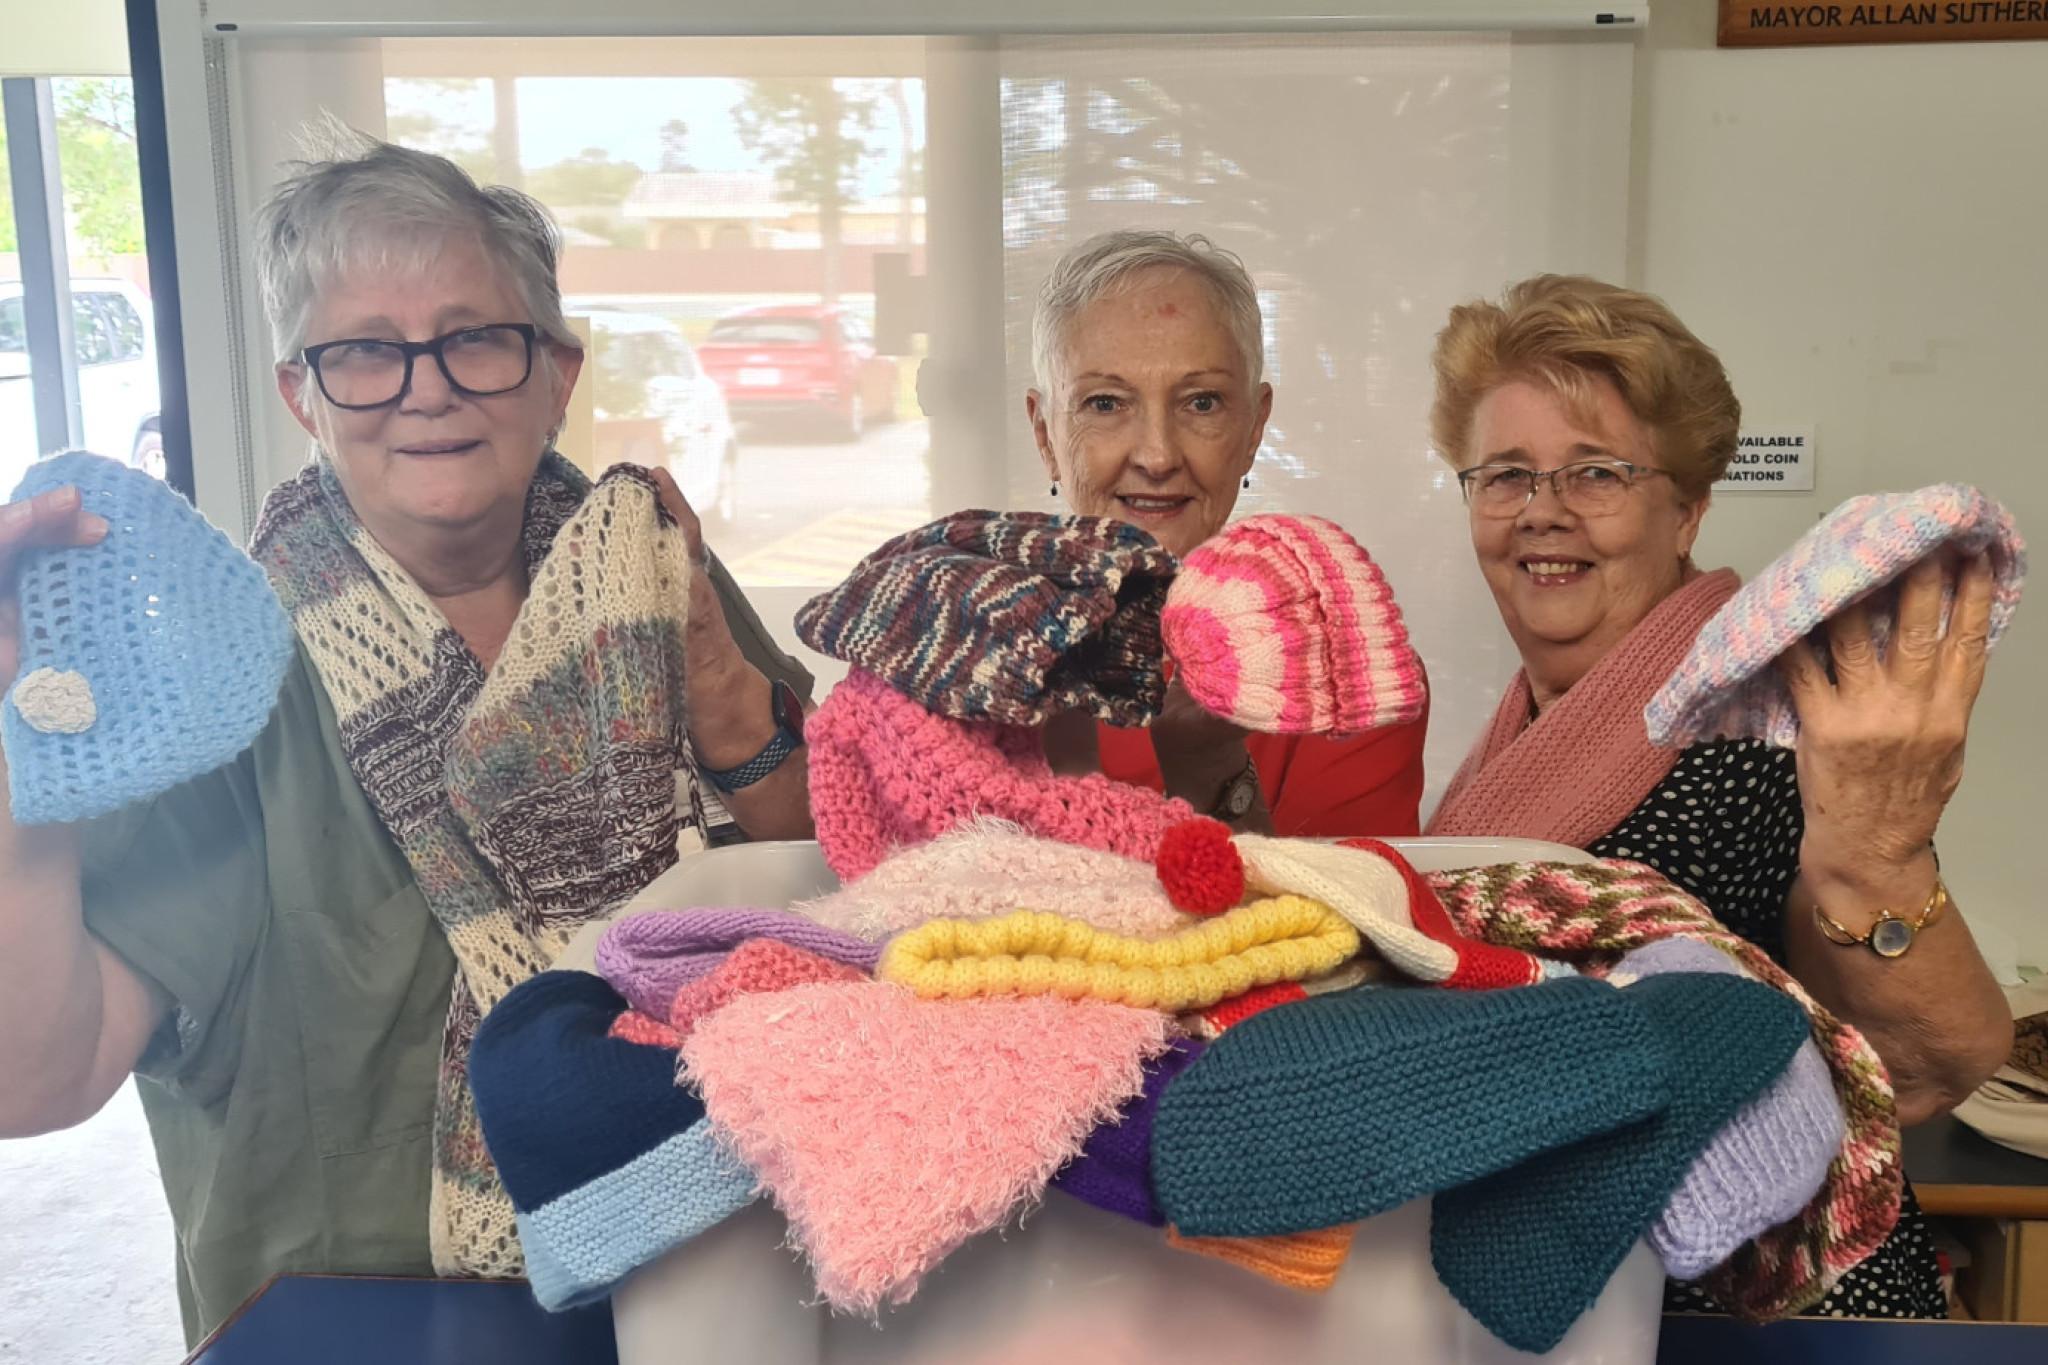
(1857, 230)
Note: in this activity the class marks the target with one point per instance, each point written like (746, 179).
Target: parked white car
(114, 340)
(655, 405)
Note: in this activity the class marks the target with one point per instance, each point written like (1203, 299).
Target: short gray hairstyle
(1111, 261)
(357, 204)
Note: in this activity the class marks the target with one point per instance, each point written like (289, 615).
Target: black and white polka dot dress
(1725, 825)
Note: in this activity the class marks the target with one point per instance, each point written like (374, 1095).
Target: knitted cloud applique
(146, 660)
(1727, 689)
(1285, 625)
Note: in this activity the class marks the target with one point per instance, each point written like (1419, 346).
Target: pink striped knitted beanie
(1286, 626)
(1727, 688)
(888, 774)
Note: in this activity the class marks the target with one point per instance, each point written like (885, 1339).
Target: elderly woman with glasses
(292, 952)
(1149, 408)
(1587, 426)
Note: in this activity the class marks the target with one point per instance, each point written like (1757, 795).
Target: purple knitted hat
(1765, 1164)
(649, 957)
(1006, 616)
(888, 774)
(1727, 689)
(1114, 1170)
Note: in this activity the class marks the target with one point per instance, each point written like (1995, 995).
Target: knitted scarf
(1589, 915)
(528, 800)
(1577, 770)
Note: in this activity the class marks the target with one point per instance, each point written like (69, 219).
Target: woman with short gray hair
(292, 952)
(1149, 407)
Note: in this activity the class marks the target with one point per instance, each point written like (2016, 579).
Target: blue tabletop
(319, 1320)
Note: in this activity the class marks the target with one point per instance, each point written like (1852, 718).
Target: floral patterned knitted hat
(1286, 626)
(147, 659)
(1727, 689)
(1006, 616)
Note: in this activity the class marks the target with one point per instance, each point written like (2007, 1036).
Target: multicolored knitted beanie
(609, 1165)
(1727, 689)
(1284, 625)
(149, 658)
(1009, 617)
(888, 774)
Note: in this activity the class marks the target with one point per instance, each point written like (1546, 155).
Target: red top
(1368, 785)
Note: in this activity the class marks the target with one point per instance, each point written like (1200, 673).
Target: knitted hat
(1344, 1106)
(1285, 625)
(1308, 1261)
(147, 659)
(756, 967)
(1114, 1169)
(1727, 688)
(648, 957)
(885, 774)
(890, 1129)
(1030, 952)
(1527, 1250)
(609, 1165)
(1006, 616)
(1216, 1019)
(1765, 1164)
(990, 867)
(1365, 881)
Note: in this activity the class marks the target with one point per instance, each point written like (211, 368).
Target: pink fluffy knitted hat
(1286, 626)
(887, 774)
(1727, 689)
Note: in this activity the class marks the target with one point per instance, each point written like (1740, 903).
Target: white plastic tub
(1075, 1285)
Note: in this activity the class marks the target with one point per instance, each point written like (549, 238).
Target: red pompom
(1200, 867)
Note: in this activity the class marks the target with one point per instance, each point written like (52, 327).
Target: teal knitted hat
(1527, 1250)
(1339, 1107)
(147, 659)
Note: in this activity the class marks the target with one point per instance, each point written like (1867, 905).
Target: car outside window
(766, 332)
(124, 325)
(92, 340)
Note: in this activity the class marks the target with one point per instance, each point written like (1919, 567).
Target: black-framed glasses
(1590, 488)
(360, 373)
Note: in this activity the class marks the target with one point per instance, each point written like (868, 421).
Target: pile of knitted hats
(911, 1061)
(1031, 981)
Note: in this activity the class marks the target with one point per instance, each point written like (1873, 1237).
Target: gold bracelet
(1893, 933)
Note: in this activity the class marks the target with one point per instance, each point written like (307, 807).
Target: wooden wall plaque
(1769, 23)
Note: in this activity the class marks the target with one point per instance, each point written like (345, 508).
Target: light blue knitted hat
(147, 659)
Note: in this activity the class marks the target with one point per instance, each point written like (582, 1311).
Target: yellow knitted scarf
(1032, 952)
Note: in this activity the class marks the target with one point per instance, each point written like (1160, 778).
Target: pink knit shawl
(1577, 771)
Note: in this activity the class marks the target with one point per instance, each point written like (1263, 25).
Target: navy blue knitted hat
(1335, 1108)
(147, 659)
(609, 1163)
(1528, 1250)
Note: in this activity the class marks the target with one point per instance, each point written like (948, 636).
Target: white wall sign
(1771, 460)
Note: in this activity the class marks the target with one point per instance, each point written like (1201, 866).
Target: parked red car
(806, 361)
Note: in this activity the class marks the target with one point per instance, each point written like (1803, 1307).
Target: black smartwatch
(1238, 796)
(788, 710)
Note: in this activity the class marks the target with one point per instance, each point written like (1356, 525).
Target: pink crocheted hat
(1727, 688)
(1286, 626)
(887, 774)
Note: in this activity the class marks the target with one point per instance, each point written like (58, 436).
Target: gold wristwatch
(1893, 933)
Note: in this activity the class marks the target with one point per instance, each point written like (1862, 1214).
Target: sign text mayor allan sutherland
(1745, 23)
